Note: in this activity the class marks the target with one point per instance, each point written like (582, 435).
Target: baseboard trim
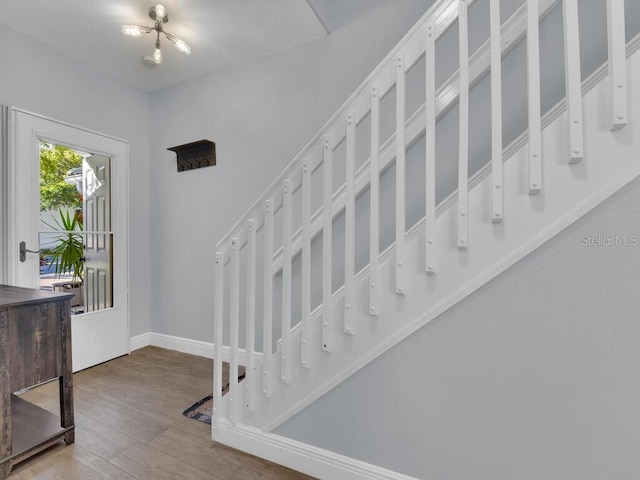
(299, 456)
(139, 341)
(186, 345)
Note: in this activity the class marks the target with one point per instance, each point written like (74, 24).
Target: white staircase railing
(279, 235)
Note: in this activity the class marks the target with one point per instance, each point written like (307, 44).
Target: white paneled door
(100, 331)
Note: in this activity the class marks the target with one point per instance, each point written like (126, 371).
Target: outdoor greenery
(68, 254)
(55, 162)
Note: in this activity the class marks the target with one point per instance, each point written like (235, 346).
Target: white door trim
(4, 196)
(24, 130)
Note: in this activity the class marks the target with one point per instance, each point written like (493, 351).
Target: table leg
(66, 380)
(5, 398)
(5, 420)
(5, 469)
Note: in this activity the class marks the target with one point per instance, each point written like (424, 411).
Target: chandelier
(159, 15)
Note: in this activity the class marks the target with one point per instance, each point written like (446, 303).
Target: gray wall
(533, 376)
(40, 79)
(530, 377)
(260, 115)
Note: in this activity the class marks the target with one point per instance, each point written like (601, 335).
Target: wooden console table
(35, 346)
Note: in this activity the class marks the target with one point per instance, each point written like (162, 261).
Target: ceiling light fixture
(159, 15)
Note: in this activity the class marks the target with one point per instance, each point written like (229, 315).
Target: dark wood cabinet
(35, 346)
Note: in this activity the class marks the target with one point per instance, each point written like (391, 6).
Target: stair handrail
(418, 43)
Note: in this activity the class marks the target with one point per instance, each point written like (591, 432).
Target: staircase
(307, 292)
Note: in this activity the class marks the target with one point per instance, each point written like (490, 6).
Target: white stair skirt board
(186, 345)
(611, 160)
(299, 456)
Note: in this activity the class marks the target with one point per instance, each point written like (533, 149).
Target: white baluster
(573, 78)
(217, 338)
(267, 373)
(234, 326)
(350, 225)
(463, 152)
(306, 265)
(401, 286)
(533, 76)
(250, 379)
(327, 229)
(285, 347)
(430, 148)
(374, 203)
(497, 212)
(617, 63)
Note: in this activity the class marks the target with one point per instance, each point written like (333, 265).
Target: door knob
(24, 250)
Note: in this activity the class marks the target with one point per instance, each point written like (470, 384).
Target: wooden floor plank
(206, 456)
(68, 462)
(129, 426)
(143, 461)
(99, 439)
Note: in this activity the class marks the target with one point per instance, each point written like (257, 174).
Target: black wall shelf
(195, 155)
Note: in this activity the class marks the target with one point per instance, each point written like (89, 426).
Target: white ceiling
(221, 33)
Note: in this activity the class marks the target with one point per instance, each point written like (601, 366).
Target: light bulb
(160, 12)
(133, 30)
(182, 46)
(157, 55)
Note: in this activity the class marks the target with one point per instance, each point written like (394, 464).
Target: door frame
(4, 197)
(21, 127)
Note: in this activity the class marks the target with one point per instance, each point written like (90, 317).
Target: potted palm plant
(68, 254)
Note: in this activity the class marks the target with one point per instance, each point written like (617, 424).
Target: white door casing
(97, 336)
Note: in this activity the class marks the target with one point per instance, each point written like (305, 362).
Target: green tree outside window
(55, 162)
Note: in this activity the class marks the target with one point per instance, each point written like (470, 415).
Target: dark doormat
(203, 409)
